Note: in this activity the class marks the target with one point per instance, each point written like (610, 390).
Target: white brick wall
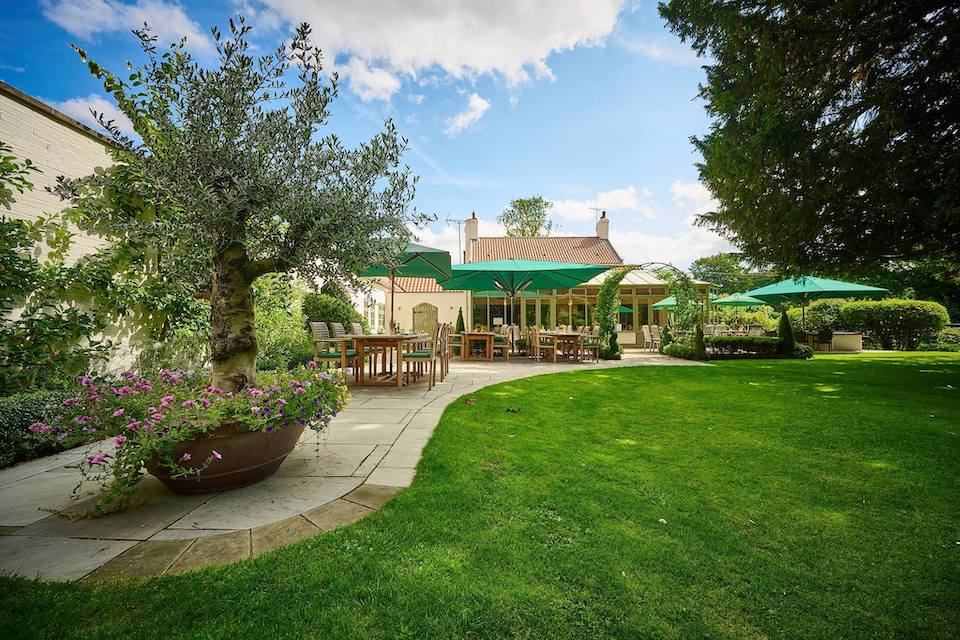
(60, 149)
(56, 149)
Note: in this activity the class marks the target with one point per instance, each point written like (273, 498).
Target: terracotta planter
(248, 458)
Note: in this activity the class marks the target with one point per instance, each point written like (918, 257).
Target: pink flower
(40, 427)
(118, 413)
(205, 403)
(216, 454)
(97, 459)
(300, 390)
(312, 363)
(119, 440)
(188, 403)
(185, 457)
(166, 400)
(70, 402)
(255, 410)
(256, 393)
(133, 425)
(281, 402)
(152, 410)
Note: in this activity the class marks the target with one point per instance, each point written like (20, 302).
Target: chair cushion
(335, 355)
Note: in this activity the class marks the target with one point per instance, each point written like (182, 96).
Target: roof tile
(581, 249)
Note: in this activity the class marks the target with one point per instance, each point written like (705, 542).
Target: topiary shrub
(894, 323)
(605, 312)
(785, 333)
(687, 346)
(699, 348)
(319, 307)
(17, 413)
(802, 352)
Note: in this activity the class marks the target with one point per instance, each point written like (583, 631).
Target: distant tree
(835, 143)
(729, 273)
(527, 217)
(241, 181)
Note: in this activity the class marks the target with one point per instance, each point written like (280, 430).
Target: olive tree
(230, 176)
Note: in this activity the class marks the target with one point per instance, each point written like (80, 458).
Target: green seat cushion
(418, 355)
(335, 355)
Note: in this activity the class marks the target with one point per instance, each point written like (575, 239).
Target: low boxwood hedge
(741, 345)
(17, 413)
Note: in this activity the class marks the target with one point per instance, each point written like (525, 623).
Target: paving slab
(148, 558)
(188, 534)
(364, 415)
(224, 549)
(337, 514)
(371, 461)
(362, 433)
(156, 507)
(51, 558)
(273, 499)
(325, 459)
(390, 476)
(372, 496)
(276, 534)
(23, 502)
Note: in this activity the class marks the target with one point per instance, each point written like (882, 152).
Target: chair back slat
(356, 328)
(319, 331)
(655, 332)
(338, 330)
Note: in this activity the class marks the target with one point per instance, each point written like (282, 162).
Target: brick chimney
(603, 226)
(471, 234)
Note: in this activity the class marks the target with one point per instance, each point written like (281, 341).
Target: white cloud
(370, 84)
(476, 107)
(79, 109)
(693, 196)
(460, 38)
(88, 18)
(674, 53)
(628, 198)
(416, 98)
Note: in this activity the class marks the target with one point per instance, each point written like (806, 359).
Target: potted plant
(194, 437)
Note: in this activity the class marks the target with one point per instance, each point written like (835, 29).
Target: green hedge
(895, 324)
(17, 413)
(319, 307)
(820, 317)
(731, 345)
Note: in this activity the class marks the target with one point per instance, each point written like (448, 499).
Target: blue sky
(590, 103)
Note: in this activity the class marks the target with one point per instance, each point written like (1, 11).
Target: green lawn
(753, 499)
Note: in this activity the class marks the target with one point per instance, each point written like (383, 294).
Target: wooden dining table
(467, 337)
(561, 338)
(388, 348)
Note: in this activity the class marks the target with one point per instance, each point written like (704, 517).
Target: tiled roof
(413, 285)
(582, 249)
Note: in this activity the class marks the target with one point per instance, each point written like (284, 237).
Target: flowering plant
(149, 416)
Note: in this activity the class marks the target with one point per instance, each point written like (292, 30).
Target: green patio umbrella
(624, 309)
(417, 261)
(737, 300)
(496, 293)
(671, 301)
(807, 288)
(514, 277)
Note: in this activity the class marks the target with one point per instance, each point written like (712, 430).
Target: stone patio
(369, 453)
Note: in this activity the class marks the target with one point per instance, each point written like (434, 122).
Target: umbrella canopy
(515, 276)
(671, 301)
(624, 309)
(417, 261)
(738, 300)
(810, 288)
(496, 293)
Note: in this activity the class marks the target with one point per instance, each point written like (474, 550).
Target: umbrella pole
(393, 295)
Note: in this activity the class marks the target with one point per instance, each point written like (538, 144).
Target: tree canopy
(729, 272)
(835, 142)
(230, 177)
(527, 217)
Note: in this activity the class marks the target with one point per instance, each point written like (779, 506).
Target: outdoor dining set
(399, 359)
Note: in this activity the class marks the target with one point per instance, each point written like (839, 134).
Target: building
(639, 290)
(60, 146)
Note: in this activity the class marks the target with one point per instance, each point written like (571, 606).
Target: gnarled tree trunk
(233, 333)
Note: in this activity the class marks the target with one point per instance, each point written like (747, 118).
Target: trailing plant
(605, 312)
(686, 312)
(240, 182)
(153, 414)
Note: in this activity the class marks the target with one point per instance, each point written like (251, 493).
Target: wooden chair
(538, 346)
(590, 343)
(340, 353)
(656, 340)
(429, 354)
(647, 338)
(502, 342)
(356, 328)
